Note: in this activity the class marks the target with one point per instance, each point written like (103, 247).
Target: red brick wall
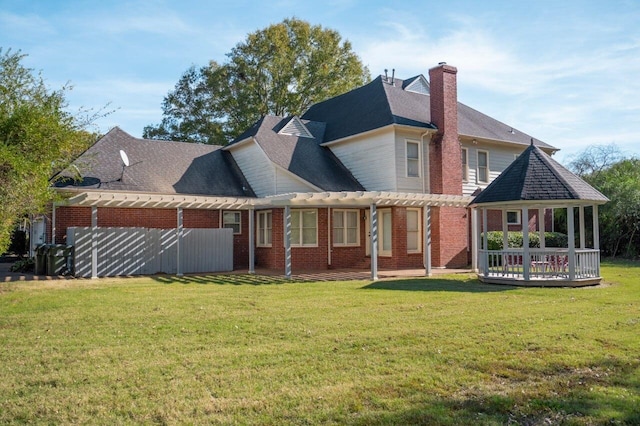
(351, 257)
(399, 258)
(310, 258)
(449, 237)
(192, 218)
(302, 258)
(494, 220)
(143, 218)
(69, 216)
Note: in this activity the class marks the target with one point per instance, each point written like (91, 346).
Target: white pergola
(354, 199)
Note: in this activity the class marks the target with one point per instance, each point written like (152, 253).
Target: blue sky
(566, 72)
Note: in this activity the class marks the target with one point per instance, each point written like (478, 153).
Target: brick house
(380, 176)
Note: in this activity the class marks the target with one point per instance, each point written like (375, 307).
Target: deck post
(252, 240)
(572, 243)
(526, 260)
(374, 241)
(485, 243)
(505, 230)
(581, 225)
(596, 235)
(474, 240)
(427, 240)
(287, 242)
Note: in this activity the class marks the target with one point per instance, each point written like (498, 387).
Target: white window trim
(299, 243)
(406, 158)
(478, 167)
(233, 223)
(518, 215)
(419, 249)
(344, 229)
(381, 251)
(258, 230)
(465, 168)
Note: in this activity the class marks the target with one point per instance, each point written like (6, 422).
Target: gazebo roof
(536, 177)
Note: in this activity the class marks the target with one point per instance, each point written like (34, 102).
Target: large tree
(281, 70)
(38, 136)
(607, 169)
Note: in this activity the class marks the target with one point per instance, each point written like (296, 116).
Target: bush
(515, 240)
(23, 265)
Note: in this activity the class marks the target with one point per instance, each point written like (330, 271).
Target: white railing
(547, 264)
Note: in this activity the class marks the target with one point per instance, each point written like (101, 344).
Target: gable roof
(156, 167)
(380, 103)
(535, 176)
(302, 156)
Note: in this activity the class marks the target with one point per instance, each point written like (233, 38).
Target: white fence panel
(206, 250)
(136, 251)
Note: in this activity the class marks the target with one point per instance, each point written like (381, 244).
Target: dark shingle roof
(302, 156)
(157, 167)
(535, 176)
(378, 104)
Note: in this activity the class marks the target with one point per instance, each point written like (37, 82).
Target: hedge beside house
(515, 240)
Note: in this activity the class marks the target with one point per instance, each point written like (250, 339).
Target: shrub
(515, 240)
(23, 265)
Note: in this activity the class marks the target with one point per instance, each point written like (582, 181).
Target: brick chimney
(445, 164)
(449, 231)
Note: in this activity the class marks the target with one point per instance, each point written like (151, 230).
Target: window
(513, 217)
(413, 231)
(232, 220)
(483, 167)
(413, 159)
(264, 229)
(304, 228)
(465, 165)
(386, 232)
(346, 228)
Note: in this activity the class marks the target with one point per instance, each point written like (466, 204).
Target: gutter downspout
(426, 161)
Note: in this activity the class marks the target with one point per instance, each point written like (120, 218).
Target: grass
(258, 350)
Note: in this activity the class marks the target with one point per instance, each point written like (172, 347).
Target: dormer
(417, 84)
(295, 127)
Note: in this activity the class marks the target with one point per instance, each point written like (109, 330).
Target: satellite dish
(125, 159)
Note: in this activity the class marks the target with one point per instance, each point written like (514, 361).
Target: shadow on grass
(605, 392)
(230, 279)
(438, 284)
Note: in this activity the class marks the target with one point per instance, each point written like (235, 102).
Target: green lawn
(245, 350)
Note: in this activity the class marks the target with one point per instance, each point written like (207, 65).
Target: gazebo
(535, 181)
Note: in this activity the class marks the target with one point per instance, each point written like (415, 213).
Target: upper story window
(304, 228)
(346, 228)
(232, 220)
(264, 229)
(483, 167)
(413, 159)
(465, 165)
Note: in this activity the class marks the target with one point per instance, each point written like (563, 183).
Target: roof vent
(418, 85)
(295, 127)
